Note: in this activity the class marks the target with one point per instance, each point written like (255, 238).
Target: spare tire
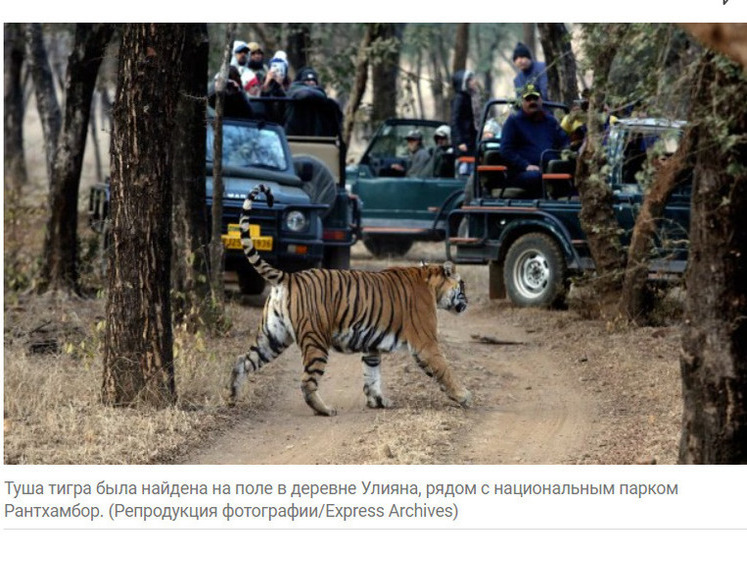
(321, 188)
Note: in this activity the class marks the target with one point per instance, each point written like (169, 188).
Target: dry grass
(53, 413)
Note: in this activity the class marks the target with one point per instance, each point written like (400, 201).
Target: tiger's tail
(269, 273)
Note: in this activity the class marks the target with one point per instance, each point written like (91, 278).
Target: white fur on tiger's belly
(348, 342)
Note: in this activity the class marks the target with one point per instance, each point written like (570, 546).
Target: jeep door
(391, 202)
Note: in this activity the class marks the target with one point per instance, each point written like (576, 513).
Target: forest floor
(549, 388)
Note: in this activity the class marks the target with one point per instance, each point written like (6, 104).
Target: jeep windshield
(634, 144)
(391, 140)
(246, 145)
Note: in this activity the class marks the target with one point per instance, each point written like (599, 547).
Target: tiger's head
(448, 287)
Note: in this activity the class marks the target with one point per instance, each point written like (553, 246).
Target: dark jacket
(523, 140)
(463, 130)
(535, 74)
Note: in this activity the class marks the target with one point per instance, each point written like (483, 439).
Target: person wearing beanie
(529, 71)
(306, 84)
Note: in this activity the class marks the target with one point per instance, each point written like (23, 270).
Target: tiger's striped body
(351, 312)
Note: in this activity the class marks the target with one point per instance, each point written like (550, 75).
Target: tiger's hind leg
(372, 382)
(314, 365)
(432, 362)
(271, 340)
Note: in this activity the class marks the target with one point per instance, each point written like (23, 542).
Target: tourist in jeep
(526, 137)
(442, 162)
(417, 165)
(528, 70)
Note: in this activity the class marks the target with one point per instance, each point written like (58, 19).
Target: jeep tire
(385, 246)
(534, 271)
(250, 282)
(336, 257)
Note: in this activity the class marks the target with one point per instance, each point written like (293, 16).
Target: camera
(279, 69)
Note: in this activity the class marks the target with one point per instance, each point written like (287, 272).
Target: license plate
(232, 240)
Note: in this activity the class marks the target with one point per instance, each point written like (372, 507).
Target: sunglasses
(531, 98)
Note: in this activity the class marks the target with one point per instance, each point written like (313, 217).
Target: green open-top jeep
(398, 210)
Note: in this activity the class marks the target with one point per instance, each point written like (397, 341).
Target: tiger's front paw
(462, 397)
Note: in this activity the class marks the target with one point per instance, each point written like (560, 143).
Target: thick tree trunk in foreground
(714, 342)
(138, 355)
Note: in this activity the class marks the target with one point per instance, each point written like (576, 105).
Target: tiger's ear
(449, 269)
(423, 263)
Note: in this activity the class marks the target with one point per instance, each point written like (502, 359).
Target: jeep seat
(558, 178)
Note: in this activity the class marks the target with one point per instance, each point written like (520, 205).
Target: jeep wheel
(534, 271)
(337, 257)
(384, 246)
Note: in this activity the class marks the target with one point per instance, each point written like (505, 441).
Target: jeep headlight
(296, 221)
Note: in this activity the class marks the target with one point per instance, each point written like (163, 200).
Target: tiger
(350, 311)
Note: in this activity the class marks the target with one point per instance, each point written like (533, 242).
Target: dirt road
(549, 388)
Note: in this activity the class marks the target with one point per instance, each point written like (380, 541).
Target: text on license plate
(232, 240)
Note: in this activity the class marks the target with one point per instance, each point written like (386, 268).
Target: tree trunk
(728, 38)
(461, 48)
(385, 70)
(192, 297)
(138, 352)
(299, 45)
(714, 342)
(359, 82)
(216, 218)
(632, 297)
(598, 221)
(93, 126)
(529, 37)
(597, 216)
(437, 78)
(15, 160)
(46, 97)
(60, 266)
(561, 63)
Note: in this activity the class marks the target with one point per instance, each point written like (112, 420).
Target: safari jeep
(294, 147)
(397, 210)
(313, 222)
(533, 245)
